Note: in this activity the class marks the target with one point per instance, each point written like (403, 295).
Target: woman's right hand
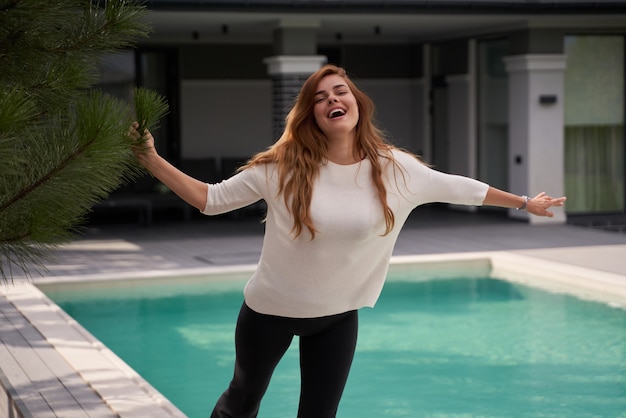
(142, 145)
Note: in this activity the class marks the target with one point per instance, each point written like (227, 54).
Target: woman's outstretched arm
(538, 205)
(189, 189)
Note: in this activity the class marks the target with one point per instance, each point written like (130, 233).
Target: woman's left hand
(540, 204)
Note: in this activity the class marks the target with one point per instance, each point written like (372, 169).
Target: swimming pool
(451, 346)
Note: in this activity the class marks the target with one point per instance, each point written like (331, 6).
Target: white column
(536, 137)
(294, 64)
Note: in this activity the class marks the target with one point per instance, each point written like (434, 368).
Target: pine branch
(62, 148)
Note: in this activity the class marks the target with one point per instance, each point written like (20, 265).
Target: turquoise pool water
(441, 348)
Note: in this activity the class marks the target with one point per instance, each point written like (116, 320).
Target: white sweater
(345, 265)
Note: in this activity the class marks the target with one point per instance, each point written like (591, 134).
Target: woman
(337, 197)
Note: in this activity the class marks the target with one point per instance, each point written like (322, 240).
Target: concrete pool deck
(50, 366)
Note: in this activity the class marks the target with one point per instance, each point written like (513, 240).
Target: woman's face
(336, 110)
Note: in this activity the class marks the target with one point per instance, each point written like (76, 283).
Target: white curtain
(594, 174)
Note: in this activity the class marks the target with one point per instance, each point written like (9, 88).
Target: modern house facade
(525, 95)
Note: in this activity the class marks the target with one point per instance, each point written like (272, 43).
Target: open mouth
(335, 113)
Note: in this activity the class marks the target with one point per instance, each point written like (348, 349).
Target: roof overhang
(359, 21)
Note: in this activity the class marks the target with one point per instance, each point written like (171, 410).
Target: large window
(493, 113)
(594, 124)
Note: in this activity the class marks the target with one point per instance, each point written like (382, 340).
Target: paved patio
(170, 246)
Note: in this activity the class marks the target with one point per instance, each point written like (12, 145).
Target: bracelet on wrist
(526, 199)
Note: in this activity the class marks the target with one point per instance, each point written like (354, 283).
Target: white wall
(396, 112)
(225, 118)
(233, 118)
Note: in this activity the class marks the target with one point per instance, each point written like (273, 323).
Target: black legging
(327, 347)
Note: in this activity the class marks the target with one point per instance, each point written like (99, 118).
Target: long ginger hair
(302, 149)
